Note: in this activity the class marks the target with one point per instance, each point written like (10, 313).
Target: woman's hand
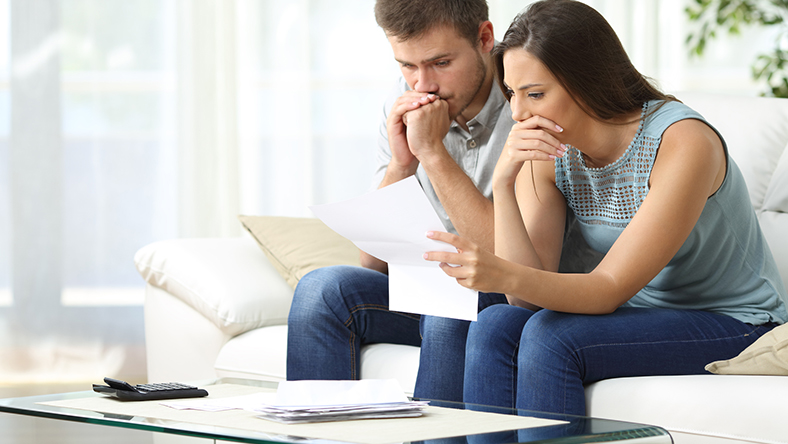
(530, 139)
(473, 267)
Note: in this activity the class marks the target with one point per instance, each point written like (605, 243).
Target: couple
(589, 167)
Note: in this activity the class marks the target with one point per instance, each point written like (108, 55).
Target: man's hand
(427, 126)
(404, 162)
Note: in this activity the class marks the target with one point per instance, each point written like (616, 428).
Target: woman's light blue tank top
(725, 265)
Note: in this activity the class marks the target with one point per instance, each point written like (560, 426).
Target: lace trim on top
(610, 195)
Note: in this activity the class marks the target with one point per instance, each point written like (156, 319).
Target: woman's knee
(484, 329)
(496, 324)
(555, 339)
(546, 326)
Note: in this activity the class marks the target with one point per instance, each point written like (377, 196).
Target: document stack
(320, 401)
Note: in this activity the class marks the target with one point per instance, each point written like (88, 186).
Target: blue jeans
(338, 309)
(542, 360)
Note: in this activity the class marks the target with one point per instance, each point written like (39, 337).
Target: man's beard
(481, 72)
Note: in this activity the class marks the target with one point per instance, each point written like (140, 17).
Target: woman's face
(534, 91)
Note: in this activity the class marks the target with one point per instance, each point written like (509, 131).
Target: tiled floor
(20, 429)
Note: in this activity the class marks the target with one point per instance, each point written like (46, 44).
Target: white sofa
(217, 307)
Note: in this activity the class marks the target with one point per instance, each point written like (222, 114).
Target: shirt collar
(488, 116)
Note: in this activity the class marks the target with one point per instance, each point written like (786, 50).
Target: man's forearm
(394, 174)
(470, 211)
(373, 263)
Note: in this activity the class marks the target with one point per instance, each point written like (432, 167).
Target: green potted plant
(731, 16)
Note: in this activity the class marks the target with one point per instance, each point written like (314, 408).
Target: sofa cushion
(766, 356)
(727, 407)
(731, 113)
(774, 215)
(262, 354)
(256, 354)
(227, 280)
(296, 245)
(391, 361)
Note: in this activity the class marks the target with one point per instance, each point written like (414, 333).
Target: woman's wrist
(503, 186)
(505, 176)
(511, 282)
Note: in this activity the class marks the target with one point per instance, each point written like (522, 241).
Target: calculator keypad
(163, 386)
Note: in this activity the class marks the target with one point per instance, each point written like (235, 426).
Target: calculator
(143, 392)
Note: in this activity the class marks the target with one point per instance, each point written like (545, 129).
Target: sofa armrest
(229, 281)
(180, 343)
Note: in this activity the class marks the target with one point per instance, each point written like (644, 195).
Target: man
(446, 122)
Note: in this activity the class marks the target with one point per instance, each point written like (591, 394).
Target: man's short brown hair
(407, 19)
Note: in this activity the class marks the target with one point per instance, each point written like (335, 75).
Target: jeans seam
(349, 321)
(576, 351)
(737, 336)
(515, 355)
(351, 340)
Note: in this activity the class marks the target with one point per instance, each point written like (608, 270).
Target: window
(88, 176)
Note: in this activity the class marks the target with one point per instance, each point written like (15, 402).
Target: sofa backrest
(756, 131)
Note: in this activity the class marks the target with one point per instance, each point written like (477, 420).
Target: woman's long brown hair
(580, 48)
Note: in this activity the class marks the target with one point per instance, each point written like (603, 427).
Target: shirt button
(472, 143)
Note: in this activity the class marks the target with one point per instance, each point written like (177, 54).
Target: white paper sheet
(391, 224)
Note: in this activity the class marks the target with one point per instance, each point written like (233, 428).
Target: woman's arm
(530, 221)
(517, 191)
(529, 210)
(690, 167)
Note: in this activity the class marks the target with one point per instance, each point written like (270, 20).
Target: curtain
(124, 123)
(89, 174)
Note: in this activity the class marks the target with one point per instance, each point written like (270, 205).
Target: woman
(687, 276)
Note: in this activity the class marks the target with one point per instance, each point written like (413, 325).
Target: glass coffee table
(560, 429)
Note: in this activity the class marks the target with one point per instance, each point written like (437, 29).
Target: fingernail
(425, 256)
(551, 157)
(430, 234)
(430, 95)
(559, 129)
(415, 103)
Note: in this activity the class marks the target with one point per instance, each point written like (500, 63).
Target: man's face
(442, 62)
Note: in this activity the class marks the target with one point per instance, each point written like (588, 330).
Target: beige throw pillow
(766, 356)
(298, 245)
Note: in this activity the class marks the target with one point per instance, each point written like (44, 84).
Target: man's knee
(317, 292)
(336, 291)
